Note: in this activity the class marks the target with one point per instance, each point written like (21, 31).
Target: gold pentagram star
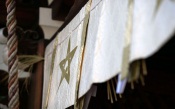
(66, 69)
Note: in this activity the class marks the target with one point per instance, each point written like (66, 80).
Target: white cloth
(152, 26)
(104, 43)
(62, 93)
(151, 29)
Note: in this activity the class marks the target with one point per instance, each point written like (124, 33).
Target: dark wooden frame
(35, 98)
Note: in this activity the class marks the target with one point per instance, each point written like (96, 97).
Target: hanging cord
(12, 43)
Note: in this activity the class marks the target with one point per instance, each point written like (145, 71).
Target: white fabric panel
(47, 69)
(153, 25)
(151, 29)
(63, 96)
(104, 43)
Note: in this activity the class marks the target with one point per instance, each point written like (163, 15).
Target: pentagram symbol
(65, 64)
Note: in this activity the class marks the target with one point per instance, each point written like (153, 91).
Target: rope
(12, 43)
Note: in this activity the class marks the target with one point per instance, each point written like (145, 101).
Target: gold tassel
(144, 68)
(120, 95)
(109, 92)
(80, 103)
(114, 92)
(132, 85)
(135, 71)
(142, 80)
